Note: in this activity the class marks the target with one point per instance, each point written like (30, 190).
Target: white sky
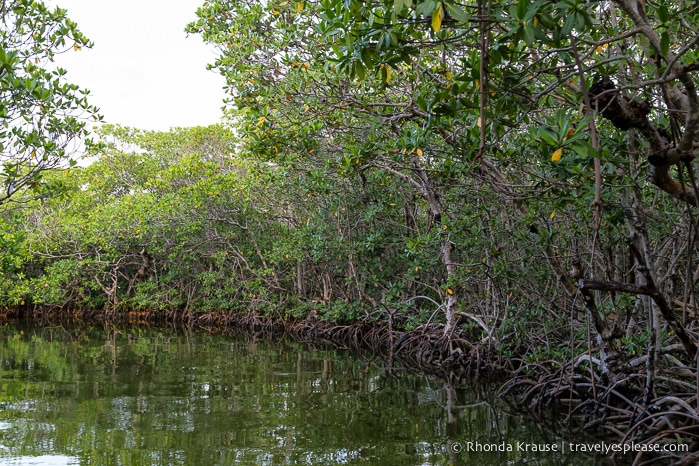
(143, 70)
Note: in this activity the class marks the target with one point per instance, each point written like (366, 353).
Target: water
(93, 396)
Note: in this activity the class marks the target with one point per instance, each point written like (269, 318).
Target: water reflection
(139, 397)
(45, 460)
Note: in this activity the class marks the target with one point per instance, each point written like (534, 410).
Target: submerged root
(580, 401)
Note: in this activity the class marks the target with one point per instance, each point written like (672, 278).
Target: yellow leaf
(450, 291)
(299, 7)
(76, 47)
(448, 75)
(553, 214)
(261, 120)
(535, 21)
(388, 74)
(437, 17)
(33, 154)
(557, 155)
(419, 152)
(478, 122)
(417, 268)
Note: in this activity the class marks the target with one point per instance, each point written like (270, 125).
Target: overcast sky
(143, 70)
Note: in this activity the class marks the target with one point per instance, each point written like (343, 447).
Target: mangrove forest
(475, 188)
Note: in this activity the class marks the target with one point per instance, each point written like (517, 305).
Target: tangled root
(564, 398)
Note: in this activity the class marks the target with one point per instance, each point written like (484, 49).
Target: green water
(94, 396)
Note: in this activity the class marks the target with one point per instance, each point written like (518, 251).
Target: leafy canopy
(42, 117)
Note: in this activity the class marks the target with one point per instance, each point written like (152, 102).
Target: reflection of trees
(139, 397)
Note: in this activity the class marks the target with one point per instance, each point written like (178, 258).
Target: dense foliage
(519, 205)
(420, 162)
(42, 117)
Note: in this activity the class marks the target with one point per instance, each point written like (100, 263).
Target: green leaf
(582, 148)
(664, 43)
(349, 43)
(548, 135)
(521, 10)
(359, 70)
(400, 5)
(533, 10)
(568, 25)
(458, 13)
(529, 34)
(426, 7)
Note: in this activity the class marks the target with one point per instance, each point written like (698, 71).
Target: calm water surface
(94, 396)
